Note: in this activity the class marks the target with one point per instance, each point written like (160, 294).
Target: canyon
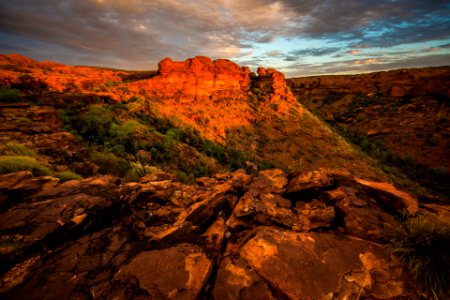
(204, 180)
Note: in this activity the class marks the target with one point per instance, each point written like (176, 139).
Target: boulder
(264, 208)
(179, 272)
(270, 181)
(310, 182)
(310, 266)
(90, 262)
(235, 280)
(312, 215)
(14, 187)
(390, 196)
(364, 218)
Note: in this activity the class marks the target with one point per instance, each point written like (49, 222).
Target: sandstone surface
(231, 236)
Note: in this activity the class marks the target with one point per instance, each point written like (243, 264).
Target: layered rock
(232, 236)
(202, 79)
(273, 83)
(198, 78)
(287, 265)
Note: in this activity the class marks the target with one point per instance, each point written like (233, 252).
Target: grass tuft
(9, 164)
(10, 95)
(422, 244)
(67, 175)
(19, 149)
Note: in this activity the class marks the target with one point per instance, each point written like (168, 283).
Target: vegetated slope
(401, 117)
(215, 108)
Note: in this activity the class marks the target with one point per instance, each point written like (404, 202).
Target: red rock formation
(202, 79)
(18, 60)
(198, 78)
(274, 83)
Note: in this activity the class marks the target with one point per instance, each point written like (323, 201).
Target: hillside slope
(216, 100)
(401, 116)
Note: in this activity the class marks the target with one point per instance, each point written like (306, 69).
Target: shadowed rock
(173, 273)
(232, 236)
(290, 263)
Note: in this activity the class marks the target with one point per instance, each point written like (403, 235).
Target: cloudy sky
(298, 37)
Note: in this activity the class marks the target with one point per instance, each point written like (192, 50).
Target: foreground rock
(53, 214)
(232, 236)
(290, 264)
(177, 273)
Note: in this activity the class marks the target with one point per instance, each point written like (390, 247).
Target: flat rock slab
(311, 266)
(390, 196)
(82, 269)
(52, 214)
(179, 272)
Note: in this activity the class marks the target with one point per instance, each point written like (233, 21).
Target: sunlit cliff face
(296, 37)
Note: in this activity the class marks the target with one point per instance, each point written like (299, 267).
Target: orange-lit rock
(273, 82)
(198, 78)
(18, 60)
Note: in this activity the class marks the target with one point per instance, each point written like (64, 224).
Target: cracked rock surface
(232, 236)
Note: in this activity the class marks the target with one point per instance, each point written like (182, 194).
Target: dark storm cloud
(132, 31)
(80, 28)
(352, 18)
(138, 33)
(314, 51)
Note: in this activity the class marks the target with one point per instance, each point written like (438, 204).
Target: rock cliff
(201, 79)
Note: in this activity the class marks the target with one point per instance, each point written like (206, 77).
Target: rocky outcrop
(197, 79)
(232, 236)
(18, 60)
(51, 214)
(287, 265)
(273, 85)
(202, 79)
(395, 83)
(29, 119)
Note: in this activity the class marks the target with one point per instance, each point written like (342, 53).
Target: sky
(297, 37)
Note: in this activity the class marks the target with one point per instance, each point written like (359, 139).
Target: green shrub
(175, 133)
(110, 163)
(26, 82)
(67, 175)
(183, 177)
(111, 83)
(127, 134)
(19, 149)
(10, 95)
(95, 124)
(423, 246)
(9, 164)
